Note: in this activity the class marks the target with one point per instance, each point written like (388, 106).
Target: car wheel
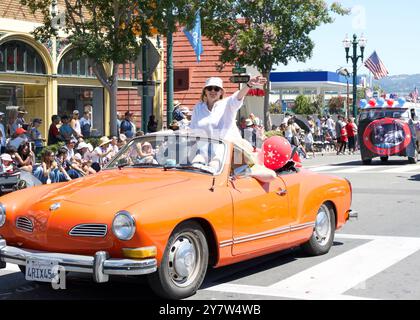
(367, 162)
(384, 159)
(413, 160)
(323, 236)
(184, 263)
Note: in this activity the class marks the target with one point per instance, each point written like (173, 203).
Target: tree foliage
(303, 105)
(109, 31)
(270, 32)
(336, 105)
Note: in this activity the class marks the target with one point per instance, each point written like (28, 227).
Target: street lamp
(344, 72)
(354, 58)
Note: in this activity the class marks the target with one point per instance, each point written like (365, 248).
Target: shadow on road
(415, 178)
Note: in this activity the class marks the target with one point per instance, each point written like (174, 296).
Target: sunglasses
(213, 88)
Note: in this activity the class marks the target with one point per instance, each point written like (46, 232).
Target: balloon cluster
(381, 103)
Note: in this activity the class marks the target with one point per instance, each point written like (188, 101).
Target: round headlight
(124, 226)
(2, 215)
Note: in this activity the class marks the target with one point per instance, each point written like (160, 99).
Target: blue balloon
(401, 101)
(363, 103)
(381, 102)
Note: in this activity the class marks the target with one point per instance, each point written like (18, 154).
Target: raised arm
(254, 81)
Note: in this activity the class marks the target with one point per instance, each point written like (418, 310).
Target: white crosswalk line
(358, 169)
(407, 168)
(323, 168)
(332, 278)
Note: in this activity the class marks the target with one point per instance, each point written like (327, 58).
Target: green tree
(318, 104)
(336, 105)
(303, 105)
(270, 32)
(109, 32)
(275, 108)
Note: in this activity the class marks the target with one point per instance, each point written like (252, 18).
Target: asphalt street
(374, 257)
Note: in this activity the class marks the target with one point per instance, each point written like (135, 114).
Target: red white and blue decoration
(382, 103)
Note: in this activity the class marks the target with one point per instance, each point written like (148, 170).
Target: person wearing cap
(177, 114)
(19, 122)
(127, 126)
(6, 163)
(36, 137)
(75, 124)
(86, 124)
(250, 133)
(19, 139)
(214, 115)
(100, 153)
(3, 136)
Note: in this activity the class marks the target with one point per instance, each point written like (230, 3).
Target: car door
(261, 215)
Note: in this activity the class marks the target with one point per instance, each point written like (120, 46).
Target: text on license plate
(41, 270)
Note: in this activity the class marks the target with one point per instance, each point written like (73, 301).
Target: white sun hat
(214, 81)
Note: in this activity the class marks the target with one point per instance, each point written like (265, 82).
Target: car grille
(89, 230)
(24, 224)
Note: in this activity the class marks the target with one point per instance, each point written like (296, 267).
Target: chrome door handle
(282, 192)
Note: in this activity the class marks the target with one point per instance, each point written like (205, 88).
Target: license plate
(41, 270)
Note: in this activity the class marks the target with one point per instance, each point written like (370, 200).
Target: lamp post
(354, 58)
(344, 72)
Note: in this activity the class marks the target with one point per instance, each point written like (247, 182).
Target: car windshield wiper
(139, 165)
(202, 168)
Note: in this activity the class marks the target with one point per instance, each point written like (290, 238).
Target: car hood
(116, 189)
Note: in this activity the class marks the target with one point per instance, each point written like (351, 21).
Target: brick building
(47, 79)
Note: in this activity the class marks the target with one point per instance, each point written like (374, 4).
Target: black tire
(323, 236)
(413, 160)
(170, 283)
(384, 159)
(367, 162)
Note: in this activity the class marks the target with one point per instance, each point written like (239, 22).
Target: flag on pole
(415, 94)
(375, 65)
(194, 36)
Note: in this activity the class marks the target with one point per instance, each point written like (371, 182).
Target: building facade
(47, 79)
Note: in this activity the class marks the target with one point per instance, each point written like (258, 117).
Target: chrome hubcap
(323, 226)
(184, 260)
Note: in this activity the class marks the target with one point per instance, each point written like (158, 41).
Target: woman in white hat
(215, 116)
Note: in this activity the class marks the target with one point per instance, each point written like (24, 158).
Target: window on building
(71, 65)
(181, 79)
(19, 57)
(129, 71)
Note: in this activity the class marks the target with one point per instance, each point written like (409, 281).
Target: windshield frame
(112, 165)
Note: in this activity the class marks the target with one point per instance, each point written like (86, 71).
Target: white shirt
(3, 135)
(220, 122)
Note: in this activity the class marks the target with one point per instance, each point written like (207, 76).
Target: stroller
(17, 180)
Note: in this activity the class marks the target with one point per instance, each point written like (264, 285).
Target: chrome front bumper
(99, 265)
(352, 215)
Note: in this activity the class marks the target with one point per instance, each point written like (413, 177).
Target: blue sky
(391, 27)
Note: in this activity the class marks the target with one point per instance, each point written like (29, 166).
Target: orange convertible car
(169, 205)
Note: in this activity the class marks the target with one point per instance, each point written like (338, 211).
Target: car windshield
(172, 152)
(375, 114)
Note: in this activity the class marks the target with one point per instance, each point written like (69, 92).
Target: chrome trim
(99, 265)
(133, 221)
(55, 206)
(24, 224)
(266, 234)
(353, 215)
(89, 230)
(2, 215)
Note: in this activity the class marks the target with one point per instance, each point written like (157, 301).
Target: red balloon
(276, 152)
(372, 102)
(390, 102)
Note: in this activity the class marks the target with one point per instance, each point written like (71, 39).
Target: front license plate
(41, 270)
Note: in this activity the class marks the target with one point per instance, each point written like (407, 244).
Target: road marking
(332, 278)
(408, 169)
(357, 169)
(323, 168)
(403, 169)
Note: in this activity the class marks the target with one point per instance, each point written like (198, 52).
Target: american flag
(415, 94)
(375, 65)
